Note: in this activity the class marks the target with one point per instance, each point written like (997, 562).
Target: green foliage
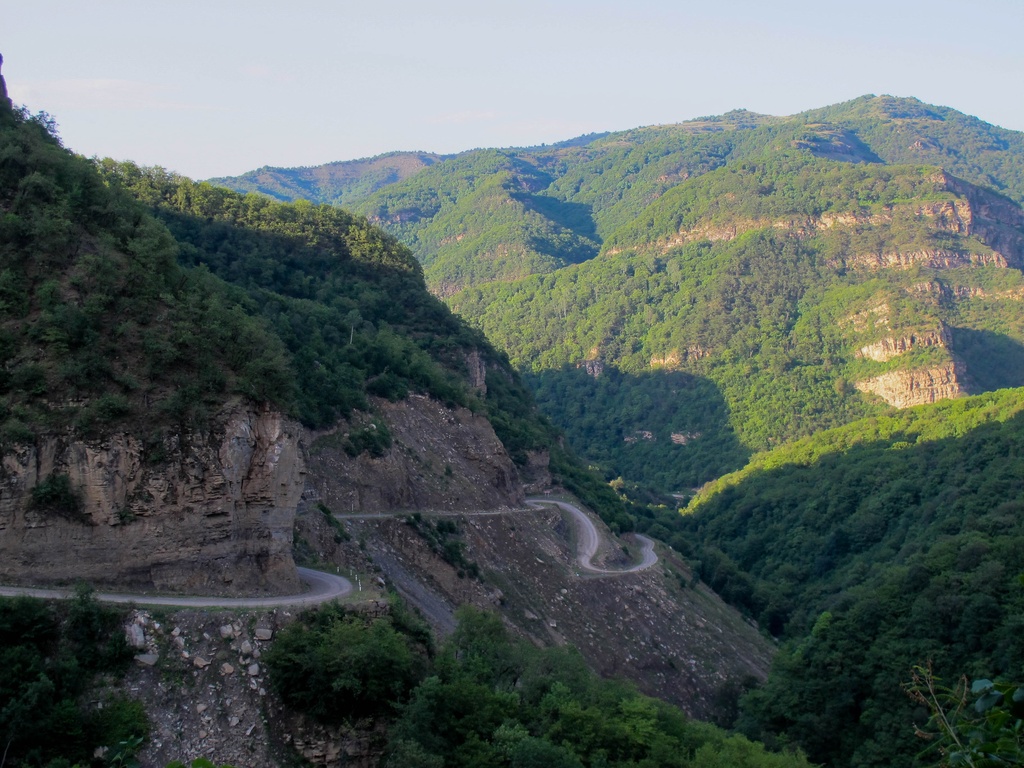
(901, 130)
(762, 332)
(985, 733)
(374, 439)
(870, 549)
(492, 700)
(343, 183)
(347, 302)
(486, 698)
(634, 425)
(474, 219)
(129, 317)
(50, 655)
(337, 666)
(759, 321)
(98, 324)
(441, 536)
(55, 494)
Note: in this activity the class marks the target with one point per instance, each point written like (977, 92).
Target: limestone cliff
(893, 346)
(440, 458)
(215, 515)
(917, 386)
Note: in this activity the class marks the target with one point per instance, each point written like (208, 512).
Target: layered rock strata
(907, 388)
(440, 458)
(214, 516)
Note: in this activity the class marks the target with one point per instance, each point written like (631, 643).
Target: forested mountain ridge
(847, 279)
(887, 543)
(587, 187)
(164, 340)
(889, 283)
(338, 183)
(764, 301)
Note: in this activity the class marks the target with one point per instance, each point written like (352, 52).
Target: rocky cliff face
(440, 458)
(904, 389)
(894, 346)
(214, 517)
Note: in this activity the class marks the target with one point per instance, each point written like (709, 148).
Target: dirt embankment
(678, 642)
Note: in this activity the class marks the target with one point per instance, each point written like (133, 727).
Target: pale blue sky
(218, 87)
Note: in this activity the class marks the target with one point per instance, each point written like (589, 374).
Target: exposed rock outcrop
(893, 346)
(876, 316)
(675, 358)
(215, 516)
(5, 101)
(907, 388)
(440, 458)
(930, 258)
(477, 371)
(997, 220)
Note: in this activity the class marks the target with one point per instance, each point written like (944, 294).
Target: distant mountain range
(684, 295)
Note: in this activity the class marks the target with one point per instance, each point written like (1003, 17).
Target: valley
(728, 409)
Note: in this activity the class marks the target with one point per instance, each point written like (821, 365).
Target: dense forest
(486, 699)
(763, 333)
(131, 297)
(705, 309)
(870, 549)
(54, 710)
(734, 253)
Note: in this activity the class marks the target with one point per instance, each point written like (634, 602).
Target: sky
(218, 87)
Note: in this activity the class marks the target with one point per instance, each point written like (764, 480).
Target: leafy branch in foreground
(985, 734)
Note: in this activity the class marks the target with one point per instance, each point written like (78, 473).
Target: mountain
(185, 367)
(872, 548)
(585, 188)
(338, 183)
(765, 301)
(732, 281)
(827, 303)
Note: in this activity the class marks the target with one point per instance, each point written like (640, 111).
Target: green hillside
(135, 299)
(884, 544)
(341, 183)
(477, 218)
(742, 280)
(608, 179)
(906, 130)
(99, 324)
(776, 288)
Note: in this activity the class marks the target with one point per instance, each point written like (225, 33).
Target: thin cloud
(263, 72)
(100, 94)
(461, 118)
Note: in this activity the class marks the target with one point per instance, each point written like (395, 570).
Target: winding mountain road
(327, 586)
(589, 539)
(323, 587)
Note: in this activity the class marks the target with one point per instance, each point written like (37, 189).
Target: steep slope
(477, 218)
(603, 181)
(174, 386)
(143, 435)
(884, 544)
(733, 259)
(795, 291)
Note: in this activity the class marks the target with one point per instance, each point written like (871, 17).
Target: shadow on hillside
(993, 360)
(667, 430)
(577, 217)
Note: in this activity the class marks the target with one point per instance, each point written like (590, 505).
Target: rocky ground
(200, 676)
(673, 637)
